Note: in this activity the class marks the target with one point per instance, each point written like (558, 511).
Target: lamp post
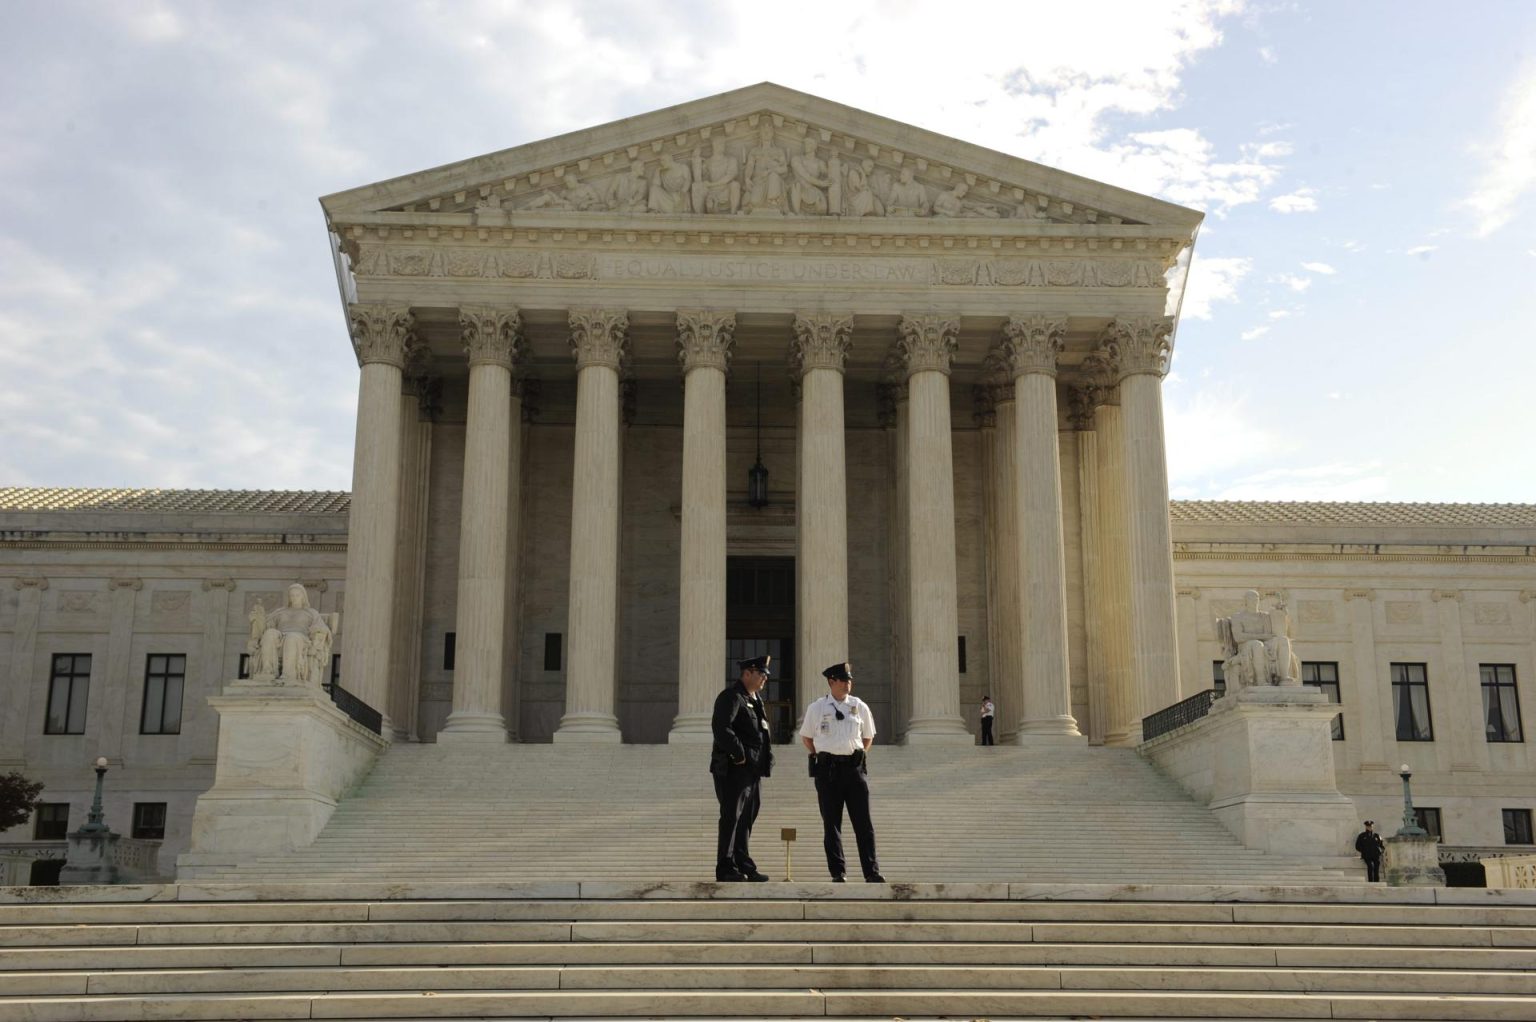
(1410, 827)
(94, 823)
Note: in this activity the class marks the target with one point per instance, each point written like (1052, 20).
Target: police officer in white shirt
(836, 731)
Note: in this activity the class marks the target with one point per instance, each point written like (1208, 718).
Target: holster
(810, 764)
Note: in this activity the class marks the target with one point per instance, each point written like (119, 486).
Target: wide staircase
(605, 950)
(633, 812)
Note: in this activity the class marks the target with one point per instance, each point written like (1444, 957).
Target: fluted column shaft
(1032, 346)
(705, 339)
(1115, 580)
(597, 336)
(382, 336)
(901, 594)
(927, 344)
(1087, 439)
(1010, 607)
(821, 578)
(490, 338)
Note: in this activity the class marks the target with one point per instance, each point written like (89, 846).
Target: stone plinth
(1413, 860)
(286, 756)
(1262, 760)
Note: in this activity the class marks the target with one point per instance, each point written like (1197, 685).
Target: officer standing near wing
(742, 755)
(837, 731)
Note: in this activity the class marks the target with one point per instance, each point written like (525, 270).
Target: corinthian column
(1140, 348)
(1082, 400)
(490, 341)
(1120, 726)
(382, 336)
(597, 339)
(705, 339)
(927, 344)
(1008, 688)
(1030, 348)
(821, 344)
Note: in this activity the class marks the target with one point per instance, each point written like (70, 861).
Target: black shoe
(873, 878)
(755, 877)
(839, 879)
(729, 876)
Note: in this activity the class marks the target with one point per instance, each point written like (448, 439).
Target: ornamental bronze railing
(1171, 718)
(355, 708)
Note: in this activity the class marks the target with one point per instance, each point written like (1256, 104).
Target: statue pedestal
(1262, 760)
(1413, 861)
(286, 755)
(90, 859)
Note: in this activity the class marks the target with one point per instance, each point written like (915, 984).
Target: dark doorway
(45, 872)
(760, 618)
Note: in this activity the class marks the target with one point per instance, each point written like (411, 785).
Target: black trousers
(986, 731)
(740, 795)
(1372, 870)
(842, 783)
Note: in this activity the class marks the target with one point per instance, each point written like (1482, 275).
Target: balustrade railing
(1173, 717)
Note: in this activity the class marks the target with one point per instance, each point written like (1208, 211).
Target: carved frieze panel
(76, 601)
(175, 602)
(1484, 613)
(1404, 612)
(1315, 612)
(762, 165)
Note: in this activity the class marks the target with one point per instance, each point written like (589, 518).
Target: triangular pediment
(759, 152)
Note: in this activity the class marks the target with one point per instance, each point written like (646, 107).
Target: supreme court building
(763, 373)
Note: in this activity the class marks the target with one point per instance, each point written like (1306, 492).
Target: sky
(1360, 320)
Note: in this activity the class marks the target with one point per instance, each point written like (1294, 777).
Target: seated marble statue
(1258, 646)
(291, 644)
(671, 187)
(809, 187)
(861, 200)
(767, 169)
(716, 188)
(908, 197)
(630, 193)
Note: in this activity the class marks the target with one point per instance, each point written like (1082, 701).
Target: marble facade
(961, 357)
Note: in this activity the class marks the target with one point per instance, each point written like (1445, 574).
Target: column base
(1060, 730)
(588, 728)
(473, 727)
(938, 731)
(1052, 738)
(691, 730)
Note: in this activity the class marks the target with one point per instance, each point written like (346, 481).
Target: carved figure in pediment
(295, 643)
(1029, 211)
(860, 198)
(1258, 646)
(907, 196)
(671, 187)
(630, 193)
(837, 176)
(767, 169)
(716, 181)
(578, 196)
(955, 203)
(808, 189)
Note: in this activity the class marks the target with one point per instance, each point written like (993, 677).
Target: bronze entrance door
(760, 618)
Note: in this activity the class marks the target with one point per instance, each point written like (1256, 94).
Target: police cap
(757, 663)
(838, 672)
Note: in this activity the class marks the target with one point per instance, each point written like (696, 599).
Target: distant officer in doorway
(837, 732)
(988, 713)
(1370, 846)
(741, 757)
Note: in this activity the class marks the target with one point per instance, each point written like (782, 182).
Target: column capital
(381, 333)
(1360, 594)
(490, 334)
(210, 584)
(1188, 592)
(1139, 345)
(1445, 594)
(29, 583)
(124, 582)
(598, 337)
(822, 340)
(1032, 343)
(1527, 595)
(927, 343)
(1082, 400)
(704, 339)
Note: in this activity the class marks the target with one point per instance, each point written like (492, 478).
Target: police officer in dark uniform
(837, 730)
(741, 757)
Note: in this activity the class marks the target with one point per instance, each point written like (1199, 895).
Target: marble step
(857, 1003)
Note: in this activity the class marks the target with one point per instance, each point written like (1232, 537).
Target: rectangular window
(1219, 677)
(52, 821)
(1325, 675)
(1501, 703)
(450, 647)
(1517, 827)
(67, 689)
(149, 820)
(335, 668)
(165, 677)
(552, 651)
(244, 670)
(1410, 703)
(1429, 819)
(962, 654)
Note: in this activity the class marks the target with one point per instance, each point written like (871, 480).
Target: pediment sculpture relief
(776, 169)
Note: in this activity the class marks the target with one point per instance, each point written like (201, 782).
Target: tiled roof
(1309, 512)
(249, 502)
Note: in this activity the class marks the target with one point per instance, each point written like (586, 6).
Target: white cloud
(1295, 283)
(1267, 55)
(1302, 200)
(1255, 333)
(1509, 170)
(1211, 280)
(1320, 268)
(1279, 313)
(1421, 250)
(1211, 431)
(1335, 481)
